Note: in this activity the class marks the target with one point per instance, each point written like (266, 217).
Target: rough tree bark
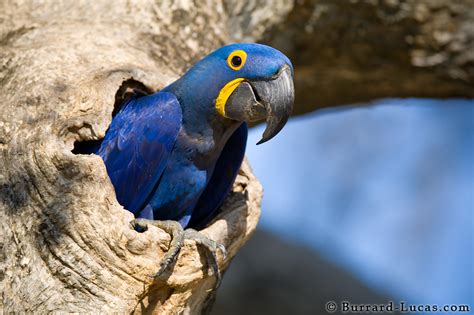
(65, 242)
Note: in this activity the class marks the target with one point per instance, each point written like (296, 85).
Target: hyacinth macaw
(173, 156)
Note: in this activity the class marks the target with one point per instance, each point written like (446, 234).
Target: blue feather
(138, 144)
(220, 184)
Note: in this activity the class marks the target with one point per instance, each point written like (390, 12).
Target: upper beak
(271, 99)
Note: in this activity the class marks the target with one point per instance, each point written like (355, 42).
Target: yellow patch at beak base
(224, 94)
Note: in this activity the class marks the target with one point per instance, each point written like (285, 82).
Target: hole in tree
(128, 89)
(86, 147)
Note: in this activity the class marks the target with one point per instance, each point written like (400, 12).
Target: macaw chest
(185, 177)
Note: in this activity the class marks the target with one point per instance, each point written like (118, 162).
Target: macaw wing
(222, 179)
(137, 145)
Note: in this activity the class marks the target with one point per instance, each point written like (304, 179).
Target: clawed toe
(178, 235)
(223, 250)
(139, 225)
(177, 239)
(211, 251)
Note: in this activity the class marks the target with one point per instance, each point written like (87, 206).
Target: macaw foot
(178, 235)
(211, 250)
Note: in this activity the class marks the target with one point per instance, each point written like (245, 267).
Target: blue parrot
(173, 156)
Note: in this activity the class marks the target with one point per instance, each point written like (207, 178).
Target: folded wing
(137, 146)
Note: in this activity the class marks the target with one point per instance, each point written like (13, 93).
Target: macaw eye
(236, 59)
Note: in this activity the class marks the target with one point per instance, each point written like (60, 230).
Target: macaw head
(244, 82)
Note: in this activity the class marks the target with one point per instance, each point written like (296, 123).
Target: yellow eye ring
(236, 59)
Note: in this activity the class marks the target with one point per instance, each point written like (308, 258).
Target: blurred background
(369, 189)
(382, 213)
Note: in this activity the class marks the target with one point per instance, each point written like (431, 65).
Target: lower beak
(266, 99)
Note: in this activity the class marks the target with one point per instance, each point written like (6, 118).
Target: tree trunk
(65, 242)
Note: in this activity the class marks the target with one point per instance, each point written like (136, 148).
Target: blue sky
(385, 191)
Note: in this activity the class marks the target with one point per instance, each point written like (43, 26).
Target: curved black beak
(270, 99)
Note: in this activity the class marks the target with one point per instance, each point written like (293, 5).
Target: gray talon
(178, 235)
(177, 239)
(212, 248)
(223, 250)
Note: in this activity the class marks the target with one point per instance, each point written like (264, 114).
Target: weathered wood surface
(65, 242)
